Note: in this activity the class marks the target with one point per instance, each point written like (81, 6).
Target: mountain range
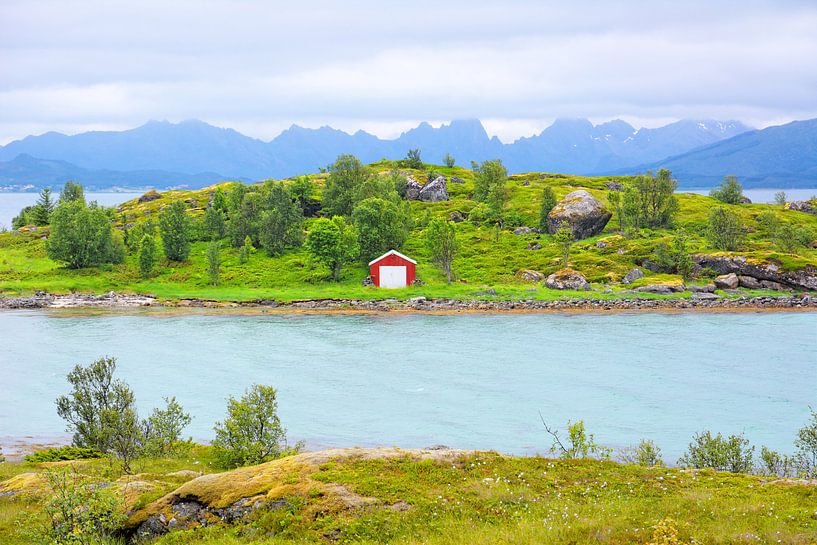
(193, 153)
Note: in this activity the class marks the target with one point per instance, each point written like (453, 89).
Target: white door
(392, 277)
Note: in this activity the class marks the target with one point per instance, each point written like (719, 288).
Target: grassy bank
(489, 258)
(389, 496)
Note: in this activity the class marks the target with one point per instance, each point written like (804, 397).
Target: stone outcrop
(727, 281)
(666, 288)
(567, 279)
(529, 275)
(632, 276)
(413, 188)
(434, 191)
(525, 230)
(151, 195)
(769, 271)
(809, 207)
(582, 211)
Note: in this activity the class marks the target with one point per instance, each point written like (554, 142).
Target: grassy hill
(489, 258)
(386, 495)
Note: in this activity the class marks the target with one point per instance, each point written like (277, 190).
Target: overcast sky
(383, 66)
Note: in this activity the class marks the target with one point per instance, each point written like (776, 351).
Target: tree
(579, 443)
(717, 452)
(650, 201)
(646, 453)
(101, 411)
(220, 201)
(449, 161)
(676, 257)
(163, 428)
(780, 198)
(725, 231)
(214, 223)
(214, 261)
(340, 194)
(333, 243)
(174, 226)
(806, 445)
(245, 218)
(246, 250)
(281, 221)
(412, 160)
(548, 202)
(614, 198)
(71, 192)
(381, 225)
(252, 432)
(303, 191)
(729, 192)
(489, 175)
(441, 243)
(82, 236)
(41, 212)
(147, 255)
(23, 218)
(564, 236)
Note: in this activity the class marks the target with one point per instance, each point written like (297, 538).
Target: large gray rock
(529, 275)
(632, 276)
(567, 279)
(727, 281)
(802, 206)
(434, 191)
(805, 278)
(413, 188)
(582, 211)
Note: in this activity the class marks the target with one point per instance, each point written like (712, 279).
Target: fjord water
(12, 203)
(469, 381)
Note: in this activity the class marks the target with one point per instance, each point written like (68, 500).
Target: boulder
(664, 288)
(632, 276)
(749, 282)
(769, 285)
(413, 188)
(435, 191)
(151, 195)
(525, 230)
(529, 275)
(802, 206)
(804, 278)
(567, 279)
(456, 216)
(534, 246)
(744, 200)
(457, 180)
(727, 281)
(582, 211)
(614, 186)
(708, 288)
(602, 244)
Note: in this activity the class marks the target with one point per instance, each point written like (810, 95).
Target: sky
(380, 66)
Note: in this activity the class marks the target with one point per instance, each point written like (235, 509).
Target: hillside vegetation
(491, 255)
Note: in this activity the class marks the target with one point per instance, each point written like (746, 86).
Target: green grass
(482, 498)
(487, 259)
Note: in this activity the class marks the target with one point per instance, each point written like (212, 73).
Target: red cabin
(392, 270)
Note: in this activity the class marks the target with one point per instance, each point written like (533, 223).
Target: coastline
(118, 303)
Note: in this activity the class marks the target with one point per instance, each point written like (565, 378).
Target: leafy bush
(147, 255)
(333, 243)
(579, 443)
(645, 453)
(648, 201)
(63, 453)
(548, 202)
(381, 225)
(442, 245)
(174, 225)
(412, 160)
(163, 430)
(449, 160)
(82, 236)
(729, 192)
(806, 445)
(732, 453)
(342, 190)
(725, 231)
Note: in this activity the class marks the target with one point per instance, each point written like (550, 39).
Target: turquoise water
(470, 381)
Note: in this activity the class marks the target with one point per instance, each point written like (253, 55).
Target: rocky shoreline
(701, 301)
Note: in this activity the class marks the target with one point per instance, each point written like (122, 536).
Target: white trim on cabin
(391, 252)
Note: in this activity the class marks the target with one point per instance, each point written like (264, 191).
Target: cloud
(258, 66)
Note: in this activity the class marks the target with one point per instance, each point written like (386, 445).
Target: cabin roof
(391, 252)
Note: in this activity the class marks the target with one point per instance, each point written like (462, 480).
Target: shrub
(63, 453)
(548, 202)
(302, 190)
(333, 243)
(214, 223)
(163, 429)
(645, 453)
(214, 261)
(147, 255)
(729, 192)
(716, 452)
(564, 237)
(252, 432)
(381, 225)
(441, 243)
(780, 198)
(579, 443)
(281, 221)
(449, 160)
(649, 201)
(412, 160)
(776, 464)
(246, 250)
(806, 445)
(725, 232)
(341, 193)
(174, 226)
(81, 236)
(676, 257)
(71, 192)
(489, 187)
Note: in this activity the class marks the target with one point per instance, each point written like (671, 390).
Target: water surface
(470, 381)
(12, 203)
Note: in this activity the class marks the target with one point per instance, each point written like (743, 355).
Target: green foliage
(214, 223)
(63, 453)
(163, 429)
(246, 250)
(449, 160)
(442, 245)
(579, 443)
(71, 192)
(41, 212)
(333, 243)
(732, 453)
(252, 432)
(82, 236)
(302, 190)
(780, 198)
(614, 198)
(346, 176)
(245, 217)
(725, 231)
(23, 218)
(548, 202)
(412, 160)
(675, 258)
(730, 191)
(806, 445)
(790, 238)
(78, 512)
(220, 201)
(489, 185)
(564, 237)
(381, 225)
(174, 226)
(649, 201)
(281, 221)
(214, 261)
(775, 464)
(645, 453)
(147, 255)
